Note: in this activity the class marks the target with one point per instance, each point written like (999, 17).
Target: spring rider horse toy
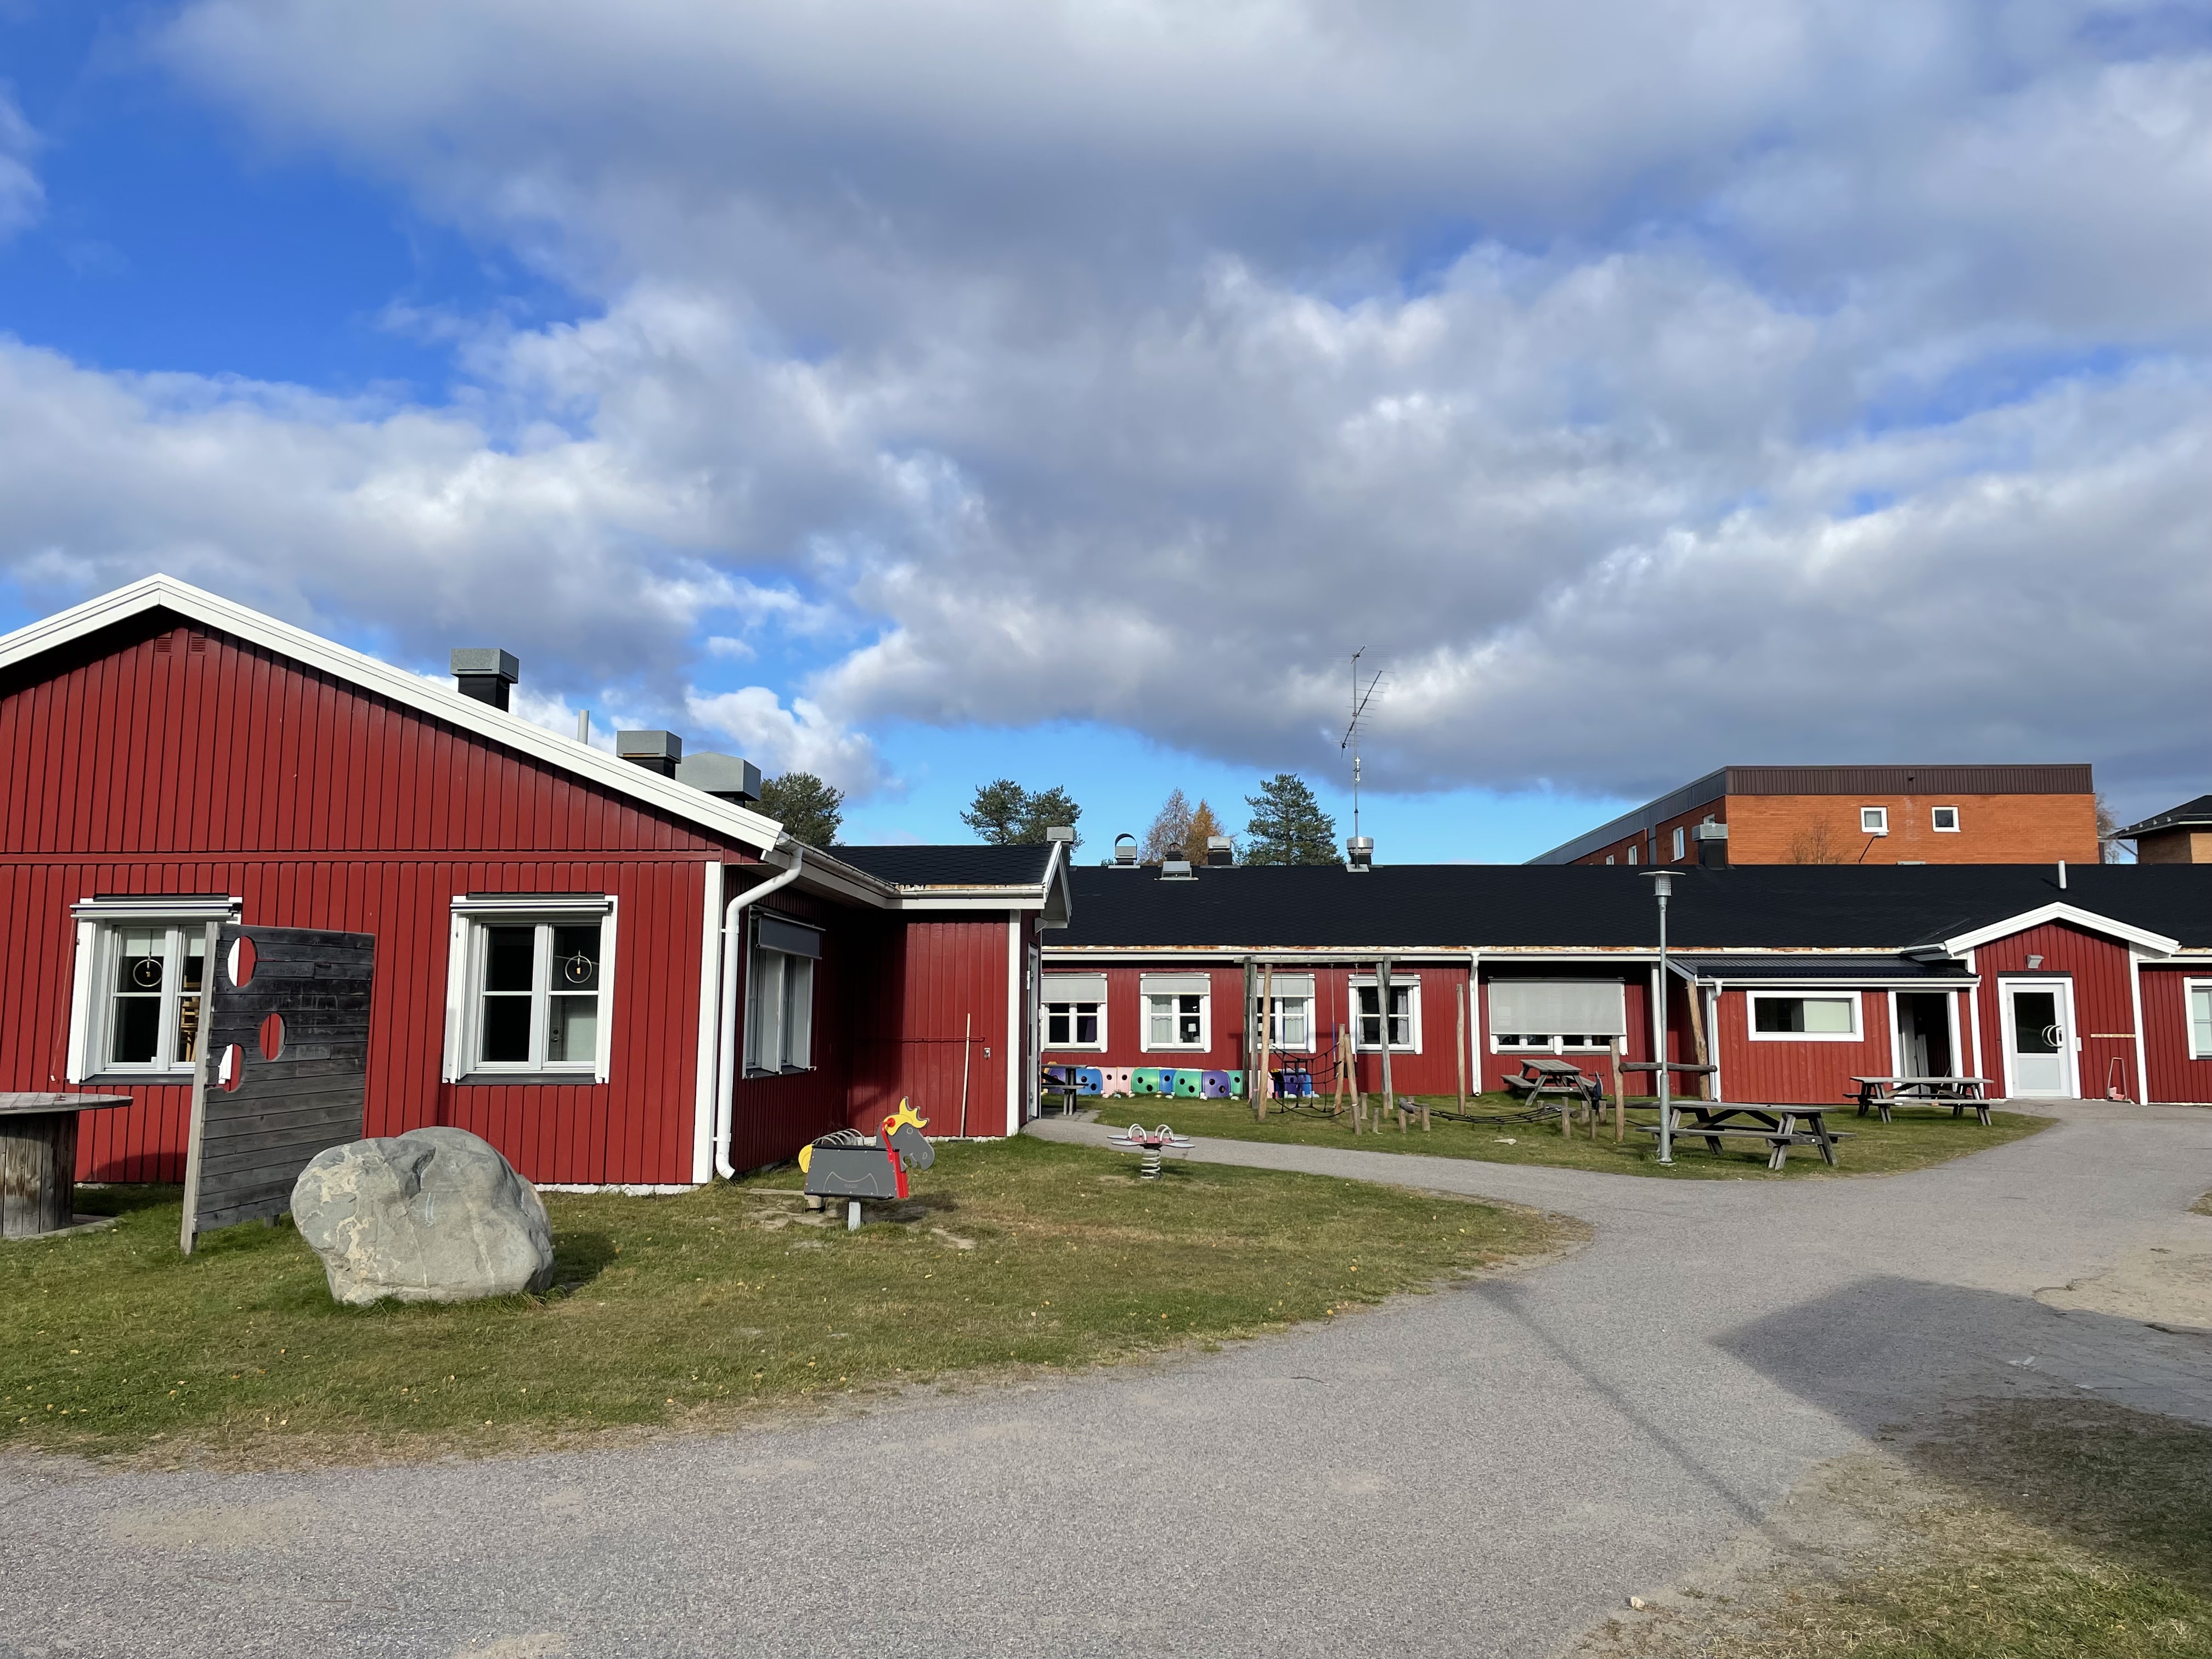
(848, 1165)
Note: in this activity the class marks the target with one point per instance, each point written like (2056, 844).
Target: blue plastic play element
(1189, 1083)
(1144, 1080)
(1213, 1085)
(1090, 1080)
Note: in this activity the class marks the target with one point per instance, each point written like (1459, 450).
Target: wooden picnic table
(1781, 1126)
(1958, 1093)
(1543, 1079)
(38, 1160)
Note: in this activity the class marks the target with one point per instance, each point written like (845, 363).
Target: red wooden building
(1791, 980)
(612, 976)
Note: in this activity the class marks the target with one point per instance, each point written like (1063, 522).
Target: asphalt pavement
(1483, 1471)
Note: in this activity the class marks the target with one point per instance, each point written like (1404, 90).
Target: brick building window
(1873, 820)
(1944, 820)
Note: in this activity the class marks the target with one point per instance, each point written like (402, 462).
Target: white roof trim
(622, 776)
(2157, 943)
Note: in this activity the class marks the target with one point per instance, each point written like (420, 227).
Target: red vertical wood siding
(2103, 1002)
(1809, 1073)
(932, 974)
(159, 759)
(2175, 1077)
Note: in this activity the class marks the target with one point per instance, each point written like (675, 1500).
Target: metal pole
(1666, 1094)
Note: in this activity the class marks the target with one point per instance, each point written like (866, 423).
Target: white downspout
(725, 1082)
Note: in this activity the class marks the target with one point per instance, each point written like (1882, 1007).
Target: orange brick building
(1855, 815)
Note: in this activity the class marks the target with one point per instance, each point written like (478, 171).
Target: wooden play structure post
(1383, 1005)
(1697, 1037)
(1619, 1098)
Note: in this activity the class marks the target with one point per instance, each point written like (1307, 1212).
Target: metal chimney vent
(1059, 832)
(1359, 853)
(1219, 849)
(1176, 870)
(1125, 851)
(485, 672)
(656, 751)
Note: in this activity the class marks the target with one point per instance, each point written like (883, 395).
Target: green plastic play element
(1189, 1082)
(1144, 1080)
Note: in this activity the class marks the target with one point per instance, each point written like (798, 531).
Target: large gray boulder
(434, 1215)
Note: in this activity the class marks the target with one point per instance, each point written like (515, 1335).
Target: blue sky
(919, 395)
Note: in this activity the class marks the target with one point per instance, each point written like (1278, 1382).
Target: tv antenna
(1359, 702)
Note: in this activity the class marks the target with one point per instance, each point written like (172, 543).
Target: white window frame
(98, 923)
(1632, 853)
(473, 915)
(793, 980)
(1608, 858)
(1205, 1043)
(2191, 990)
(1804, 993)
(1553, 1042)
(1682, 844)
(1275, 1043)
(1074, 1011)
(1936, 820)
(1411, 984)
(1873, 820)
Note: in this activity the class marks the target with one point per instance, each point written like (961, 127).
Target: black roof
(1771, 907)
(1797, 965)
(2189, 813)
(959, 865)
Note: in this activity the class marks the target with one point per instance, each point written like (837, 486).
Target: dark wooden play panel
(38, 1160)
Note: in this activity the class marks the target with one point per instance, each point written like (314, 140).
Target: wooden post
(1266, 1008)
(1619, 1098)
(1382, 1006)
(1697, 1037)
(1459, 1048)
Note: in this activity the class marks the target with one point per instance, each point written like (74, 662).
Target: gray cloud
(1648, 386)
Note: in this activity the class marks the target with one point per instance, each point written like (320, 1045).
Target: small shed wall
(2175, 1077)
(2103, 1002)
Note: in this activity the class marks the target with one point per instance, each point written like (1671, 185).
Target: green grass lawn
(1912, 1141)
(690, 1311)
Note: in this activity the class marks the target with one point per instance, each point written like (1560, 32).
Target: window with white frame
(1556, 1016)
(1405, 1013)
(1074, 1010)
(2199, 992)
(1632, 852)
(1178, 1011)
(1873, 820)
(1608, 858)
(1944, 820)
(1804, 1016)
(1290, 1019)
(779, 996)
(1681, 842)
(142, 966)
(530, 988)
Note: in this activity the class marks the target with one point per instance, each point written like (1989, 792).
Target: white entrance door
(2038, 1037)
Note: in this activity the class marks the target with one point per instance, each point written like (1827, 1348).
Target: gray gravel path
(1480, 1472)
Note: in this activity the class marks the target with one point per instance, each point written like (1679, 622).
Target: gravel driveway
(1479, 1471)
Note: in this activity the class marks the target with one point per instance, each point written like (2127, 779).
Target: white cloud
(22, 198)
(1650, 385)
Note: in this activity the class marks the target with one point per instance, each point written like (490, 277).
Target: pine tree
(1203, 827)
(998, 812)
(1288, 826)
(809, 810)
(1170, 830)
(1045, 808)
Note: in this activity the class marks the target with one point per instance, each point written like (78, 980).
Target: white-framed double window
(1405, 1013)
(1556, 1016)
(530, 988)
(1290, 1019)
(1944, 820)
(1178, 1011)
(1873, 820)
(779, 996)
(1074, 1010)
(1804, 1016)
(2196, 997)
(141, 969)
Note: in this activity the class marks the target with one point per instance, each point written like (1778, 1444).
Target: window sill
(182, 1074)
(756, 1076)
(585, 1076)
(1806, 1037)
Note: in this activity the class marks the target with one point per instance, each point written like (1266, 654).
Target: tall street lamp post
(1662, 885)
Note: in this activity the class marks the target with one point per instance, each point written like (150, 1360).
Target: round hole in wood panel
(272, 1037)
(241, 962)
(230, 1071)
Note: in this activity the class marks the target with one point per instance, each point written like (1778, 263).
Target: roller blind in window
(793, 938)
(1553, 1007)
(1287, 986)
(1075, 987)
(1176, 985)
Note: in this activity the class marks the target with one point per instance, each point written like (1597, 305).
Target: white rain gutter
(725, 1080)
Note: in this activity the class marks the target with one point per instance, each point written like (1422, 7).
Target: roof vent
(486, 673)
(1219, 849)
(656, 751)
(723, 776)
(1359, 853)
(1060, 832)
(1176, 870)
(1125, 851)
